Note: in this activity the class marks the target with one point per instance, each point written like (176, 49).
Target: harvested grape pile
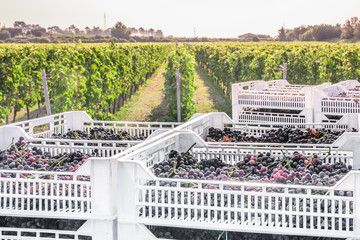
(18, 156)
(288, 169)
(199, 234)
(295, 170)
(41, 223)
(348, 95)
(98, 133)
(279, 135)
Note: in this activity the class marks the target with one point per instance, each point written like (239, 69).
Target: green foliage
(38, 32)
(308, 63)
(325, 31)
(120, 31)
(347, 31)
(81, 77)
(282, 34)
(14, 31)
(307, 36)
(4, 35)
(185, 62)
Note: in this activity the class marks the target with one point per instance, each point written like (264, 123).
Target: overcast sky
(226, 18)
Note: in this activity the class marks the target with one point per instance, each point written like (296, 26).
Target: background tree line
(323, 32)
(119, 32)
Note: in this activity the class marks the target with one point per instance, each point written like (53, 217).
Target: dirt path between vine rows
(148, 103)
(208, 96)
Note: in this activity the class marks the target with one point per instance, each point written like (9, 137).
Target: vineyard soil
(148, 103)
(208, 96)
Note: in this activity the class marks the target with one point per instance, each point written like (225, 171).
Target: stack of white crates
(272, 101)
(333, 101)
(280, 102)
(87, 194)
(185, 203)
(113, 194)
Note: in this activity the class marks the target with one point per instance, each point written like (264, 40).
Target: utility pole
(104, 21)
(194, 32)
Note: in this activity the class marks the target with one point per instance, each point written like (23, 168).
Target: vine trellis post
(46, 93)
(178, 84)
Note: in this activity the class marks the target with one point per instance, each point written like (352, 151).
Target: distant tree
(55, 29)
(71, 29)
(299, 31)
(107, 32)
(141, 31)
(357, 32)
(326, 31)
(349, 27)
(347, 31)
(151, 32)
(282, 34)
(307, 36)
(120, 31)
(354, 21)
(19, 24)
(134, 31)
(78, 31)
(14, 31)
(4, 35)
(291, 36)
(159, 33)
(96, 31)
(255, 39)
(87, 30)
(38, 32)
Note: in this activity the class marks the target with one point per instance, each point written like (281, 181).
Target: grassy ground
(22, 115)
(147, 104)
(208, 96)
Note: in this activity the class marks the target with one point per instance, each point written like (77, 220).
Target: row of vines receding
(96, 78)
(307, 63)
(183, 60)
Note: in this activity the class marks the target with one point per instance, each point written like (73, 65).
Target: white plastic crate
(105, 148)
(247, 97)
(45, 234)
(230, 213)
(259, 117)
(91, 230)
(87, 193)
(80, 120)
(202, 122)
(279, 94)
(328, 101)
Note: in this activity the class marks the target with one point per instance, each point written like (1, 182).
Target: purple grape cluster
(279, 135)
(295, 169)
(200, 234)
(40, 223)
(287, 169)
(19, 156)
(98, 133)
